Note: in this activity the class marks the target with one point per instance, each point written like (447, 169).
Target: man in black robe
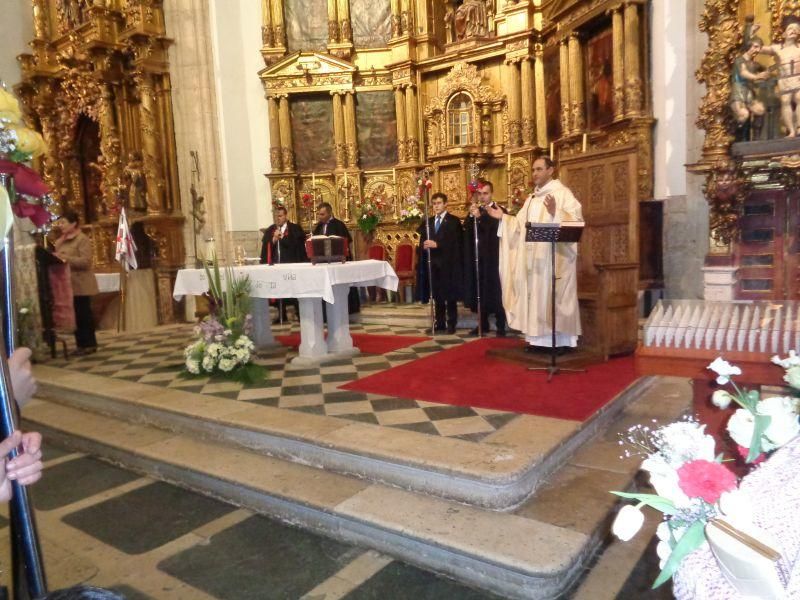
(446, 255)
(284, 242)
(488, 262)
(327, 224)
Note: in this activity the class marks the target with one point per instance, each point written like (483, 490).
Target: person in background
(284, 242)
(75, 249)
(446, 246)
(327, 224)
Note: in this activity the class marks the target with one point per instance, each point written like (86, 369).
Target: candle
(508, 162)
(552, 155)
(584, 142)
(394, 176)
(313, 180)
(345, 180)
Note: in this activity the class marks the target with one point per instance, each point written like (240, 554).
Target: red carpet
(463, 376)
(366, 342)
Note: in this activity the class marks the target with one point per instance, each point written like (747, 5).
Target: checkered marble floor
(155, 357)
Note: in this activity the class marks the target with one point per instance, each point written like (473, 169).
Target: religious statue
(744, 102)
(471, 20)
(135, 180)
(787, 57)
(449, 23)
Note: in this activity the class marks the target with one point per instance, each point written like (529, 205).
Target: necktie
(324, 229)
(438, 223)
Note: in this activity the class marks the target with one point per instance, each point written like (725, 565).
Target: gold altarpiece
(97, 85)
(752, 184)
(477, 82)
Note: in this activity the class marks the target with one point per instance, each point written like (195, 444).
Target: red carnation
(745, 452)
(705, 479)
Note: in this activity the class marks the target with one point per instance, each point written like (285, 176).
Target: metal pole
(425, 200)
(28, 568)
(280, 300)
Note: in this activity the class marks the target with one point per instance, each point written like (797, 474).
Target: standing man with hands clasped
(284, 242)
(525, 267)
(445, 246)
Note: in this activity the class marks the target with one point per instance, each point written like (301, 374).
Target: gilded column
(633, 80)
(350, 130)
(340, 144)
(333, 23)
(396, 18)
(618, 36)
(576, 91)
(514, 101)
(110, 148)
(563, 69)
(539, 107)
(278, 30)
(527, 89)
(400, 111)
(275, 155)
(412, 126)
(267, 33)
(345, 30)
(154, 192)
(287, 147)
(41, 23)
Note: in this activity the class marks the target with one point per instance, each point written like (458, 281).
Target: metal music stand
(553, 233)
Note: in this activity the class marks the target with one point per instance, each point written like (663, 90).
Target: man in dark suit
(488, 262)
(284, 242)
(445, 245)
(327, 224)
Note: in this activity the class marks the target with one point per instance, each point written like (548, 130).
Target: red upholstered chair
(376, 251)
(405, 257)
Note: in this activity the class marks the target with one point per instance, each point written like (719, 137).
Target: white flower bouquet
(223, 345)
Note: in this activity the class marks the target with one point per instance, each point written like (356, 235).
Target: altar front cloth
(295, 280)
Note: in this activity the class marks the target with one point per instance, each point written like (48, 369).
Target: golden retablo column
(633, 82)
(576, 90)
(618, 36)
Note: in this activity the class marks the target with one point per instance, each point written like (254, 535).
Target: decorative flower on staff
(279, 202)
(411, 212)
(29, 196)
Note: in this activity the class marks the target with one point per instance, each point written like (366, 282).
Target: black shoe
(436, 329)
(451, 330)
(84, 351)
(501, 333)
(473, 333)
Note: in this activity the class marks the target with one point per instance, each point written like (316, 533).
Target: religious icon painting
(552, 84)
(312, 132)
(600, 73)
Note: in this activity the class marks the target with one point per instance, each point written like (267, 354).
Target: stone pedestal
(719, 283)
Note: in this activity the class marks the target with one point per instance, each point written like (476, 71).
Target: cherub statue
(787, 57)
(135, 179)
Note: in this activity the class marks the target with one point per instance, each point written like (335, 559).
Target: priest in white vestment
(525, 267)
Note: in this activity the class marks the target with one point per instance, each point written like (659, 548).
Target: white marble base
(262, 324)
(314, 348)
(719, 283)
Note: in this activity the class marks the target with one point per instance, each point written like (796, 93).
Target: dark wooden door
(767, 253)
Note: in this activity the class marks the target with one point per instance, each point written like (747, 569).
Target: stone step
(498, 475)
(513, 555)
(537, 551)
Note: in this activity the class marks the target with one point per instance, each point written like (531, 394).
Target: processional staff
(425, 184)
(474, 170)
(25, 550)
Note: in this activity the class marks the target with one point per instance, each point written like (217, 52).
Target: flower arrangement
(691, 482)
(370, 213)
(518, 196)
(278, 202)
(411, 212)
(223, 345)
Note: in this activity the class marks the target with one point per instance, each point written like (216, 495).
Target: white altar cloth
(308, 283)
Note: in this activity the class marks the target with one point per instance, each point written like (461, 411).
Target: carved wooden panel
(605, 183)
